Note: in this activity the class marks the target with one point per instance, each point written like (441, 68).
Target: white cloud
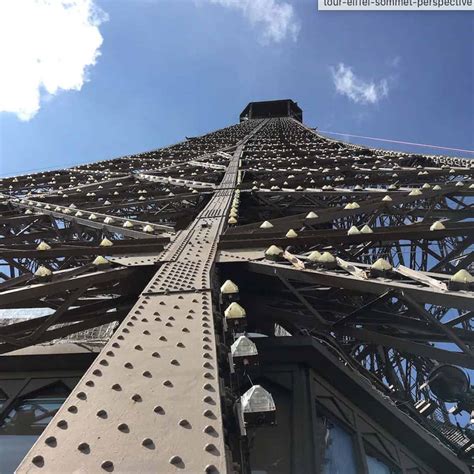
(357, 89)
(45, 46)
(277, 19)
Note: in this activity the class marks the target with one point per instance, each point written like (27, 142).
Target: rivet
(128, 365)
(159, 410)
(180, 344)
(167, 383)
(174, 362)
(136, 397)
(120, 337)
(211, 469)
(138, 347)
(84, 448)
(102, 414)
(208, 375)
(110, 353)
(123, 427)
(97, 372)
(116, 344)
(62, 424)
(107, 466)
(103, 362)
(209, 399)
(184, 423)
(90, 383)
(209, 414)
(175, 460)
(147, 374)
(38, 461)
(72, 409)
(146, 332)
(155, 354)
(51, 441)
(211, 448)
(116, 387)
(185, 330)
(209, 430)
(81, 395)
(148, 443)
(163, 338)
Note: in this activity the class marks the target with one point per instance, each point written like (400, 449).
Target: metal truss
(146, 241)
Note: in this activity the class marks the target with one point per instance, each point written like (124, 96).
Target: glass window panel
(337, 452)
(25, 422)
(377, 464)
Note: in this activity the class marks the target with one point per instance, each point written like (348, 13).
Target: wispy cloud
(395, 61)
(356, 89)
(45, 46)
(277, 19)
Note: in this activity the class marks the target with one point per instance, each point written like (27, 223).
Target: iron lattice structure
(146, 240)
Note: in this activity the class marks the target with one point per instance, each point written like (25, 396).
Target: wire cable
(397, 141)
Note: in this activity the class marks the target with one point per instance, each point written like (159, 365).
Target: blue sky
(167, 69)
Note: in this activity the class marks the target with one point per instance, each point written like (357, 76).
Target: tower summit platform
(272, 108)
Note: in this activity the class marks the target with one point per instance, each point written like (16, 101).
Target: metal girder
(149, 392)
(329, 278)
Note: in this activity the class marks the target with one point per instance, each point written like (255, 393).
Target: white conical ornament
(148, 228)
(43, 272)
(43, 246)
(127, 225)
(314, 256)
(291, 234)
(462, 276)
(105, 242)
(426, 186)
(311, 215)
(100, 260)
(327, 257)
(459, 184)
(381, 265)
(353, 231)
(273, 252)
(108, 220)
(436, 187)
(438, 225)
(229, 288)
(243, 347)
(366, 230)
(415, 192)
(93, 217)
(234, 311)
(387, 198)
(266, 225)
(232, 220)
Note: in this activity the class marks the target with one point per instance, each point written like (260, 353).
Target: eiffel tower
(269, 300)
